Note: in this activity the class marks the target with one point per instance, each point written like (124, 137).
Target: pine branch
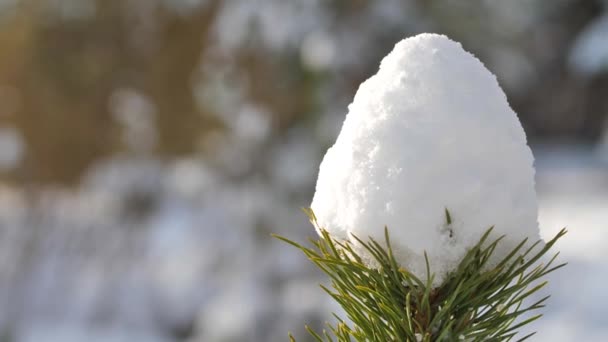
(388, 303)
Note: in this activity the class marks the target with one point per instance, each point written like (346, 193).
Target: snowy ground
(573, 190)
(151, 252)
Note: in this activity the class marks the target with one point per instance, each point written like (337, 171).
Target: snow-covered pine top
(432, 130)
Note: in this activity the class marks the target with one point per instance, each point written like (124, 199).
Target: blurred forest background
(149, 147)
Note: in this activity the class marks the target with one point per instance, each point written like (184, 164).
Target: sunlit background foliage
(149, 147)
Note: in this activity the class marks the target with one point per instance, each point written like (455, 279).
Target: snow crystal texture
(431, 130)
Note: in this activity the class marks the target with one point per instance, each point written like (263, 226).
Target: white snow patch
(12, 148)
(585, 219)
(589, 54)
(431, 130)
(65, 332)
(318, 51)
(136, 112)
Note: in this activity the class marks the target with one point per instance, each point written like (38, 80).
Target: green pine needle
(388, 303)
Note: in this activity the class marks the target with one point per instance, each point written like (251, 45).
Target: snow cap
(431, 130)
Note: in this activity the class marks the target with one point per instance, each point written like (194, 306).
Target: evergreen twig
(388, 303)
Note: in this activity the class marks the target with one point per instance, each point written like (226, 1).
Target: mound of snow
(431, 130)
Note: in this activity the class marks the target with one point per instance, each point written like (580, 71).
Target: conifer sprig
(388, 303)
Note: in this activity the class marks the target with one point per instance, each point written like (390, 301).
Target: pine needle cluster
(387, 303)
